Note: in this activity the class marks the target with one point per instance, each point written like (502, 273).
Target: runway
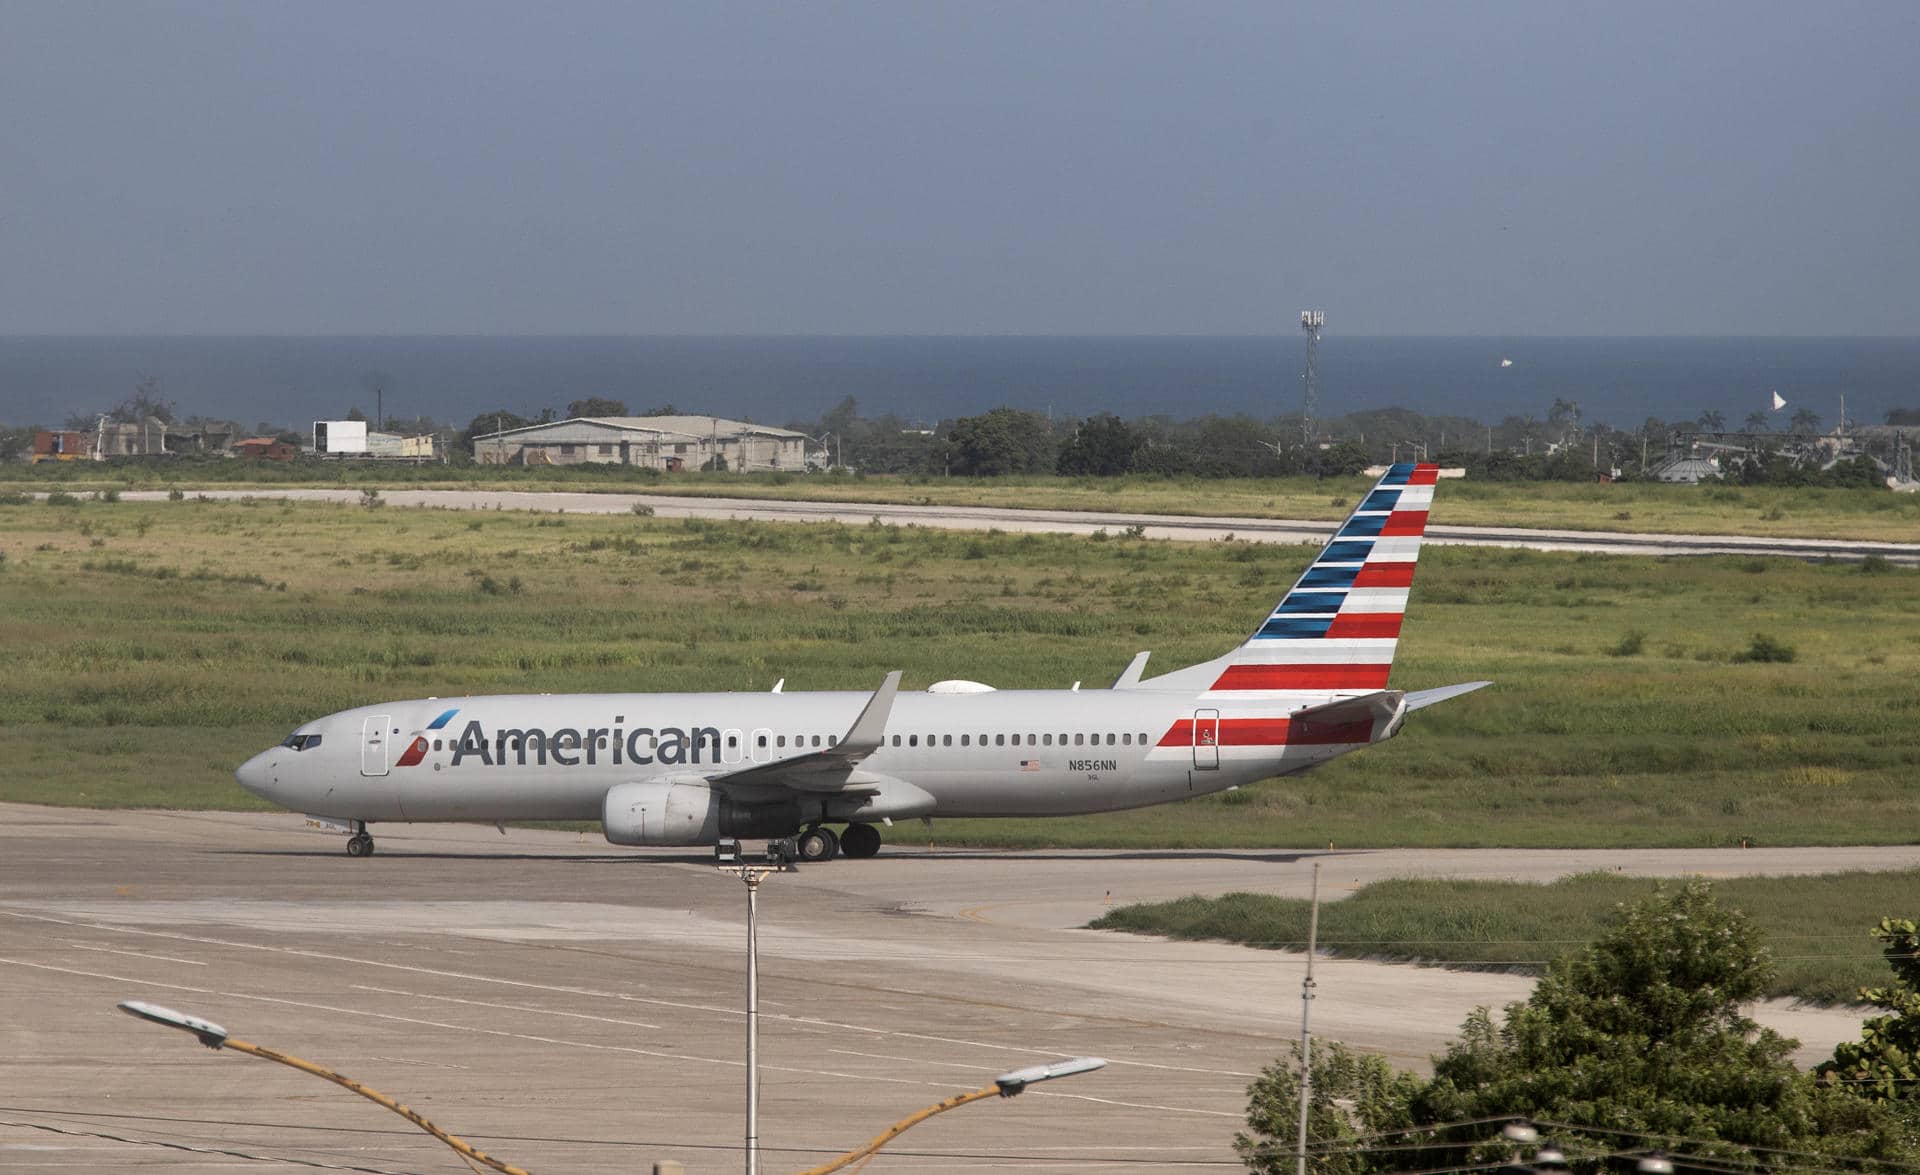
(1158, 526)
(568, 1006)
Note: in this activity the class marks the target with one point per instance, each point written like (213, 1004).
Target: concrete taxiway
(1194, 528)
(568, 1006)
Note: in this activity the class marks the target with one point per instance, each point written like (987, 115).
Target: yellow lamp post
(215, 1037)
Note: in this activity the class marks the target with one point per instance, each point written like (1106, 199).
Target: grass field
(1515, 926)
(150, 647)
(1737, 510)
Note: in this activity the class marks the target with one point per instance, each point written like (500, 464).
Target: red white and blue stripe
(1337, 628)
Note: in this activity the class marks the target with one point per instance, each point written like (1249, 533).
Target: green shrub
(62, 498)
(1629, 645)
(1766, 649)
(643, 510)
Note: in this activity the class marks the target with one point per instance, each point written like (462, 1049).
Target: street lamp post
(1005, 1085)
(777, 862)
(215, 1037)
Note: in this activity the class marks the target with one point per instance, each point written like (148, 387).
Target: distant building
(265, 448)
(352, 438)
(651, 442)
(60, 445)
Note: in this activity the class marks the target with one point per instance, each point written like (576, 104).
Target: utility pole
(1311, 321)
(1306, 1034)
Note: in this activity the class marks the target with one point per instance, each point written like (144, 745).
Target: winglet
(1130, 676)
(863, 737)
(779, 685)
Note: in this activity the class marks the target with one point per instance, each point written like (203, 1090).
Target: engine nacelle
(664, 812)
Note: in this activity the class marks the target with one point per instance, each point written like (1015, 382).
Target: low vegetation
(151, 646)
(1763, 511)
(1523, 927)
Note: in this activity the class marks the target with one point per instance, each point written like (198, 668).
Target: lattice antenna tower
(1311, 321)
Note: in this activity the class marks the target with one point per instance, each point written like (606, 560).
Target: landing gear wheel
(860, 841)
(359, 845)
(818, 844)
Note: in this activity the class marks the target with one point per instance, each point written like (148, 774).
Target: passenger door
(373, 745)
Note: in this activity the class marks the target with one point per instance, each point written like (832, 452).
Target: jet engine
(688, 812)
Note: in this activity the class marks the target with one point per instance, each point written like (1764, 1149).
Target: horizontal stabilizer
(1380, 710)
(1421, 699)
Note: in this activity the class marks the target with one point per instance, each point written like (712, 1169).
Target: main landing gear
(860, 841)
(819, 843)
(360, 844)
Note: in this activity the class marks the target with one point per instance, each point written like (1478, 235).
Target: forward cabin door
(1206, 740)
(373, 745)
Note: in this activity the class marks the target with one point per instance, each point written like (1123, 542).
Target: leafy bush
(1766, 649)
(1629, 645)
(62, 498)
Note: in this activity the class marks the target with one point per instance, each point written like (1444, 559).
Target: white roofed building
(652, 442)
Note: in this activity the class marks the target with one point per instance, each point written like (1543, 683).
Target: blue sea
(285, 380)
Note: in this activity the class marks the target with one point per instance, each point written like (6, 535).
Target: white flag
(1778, 403)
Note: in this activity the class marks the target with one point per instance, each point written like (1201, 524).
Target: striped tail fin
(1336, 629)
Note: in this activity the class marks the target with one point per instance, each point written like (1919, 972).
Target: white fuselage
(996, 753)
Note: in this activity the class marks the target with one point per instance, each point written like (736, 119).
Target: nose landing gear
(360, 844)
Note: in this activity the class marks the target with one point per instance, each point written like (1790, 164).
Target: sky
(1208, 168)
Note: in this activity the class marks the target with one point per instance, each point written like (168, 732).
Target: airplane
(698, 769)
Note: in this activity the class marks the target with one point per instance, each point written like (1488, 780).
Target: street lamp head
(1019, 1079)
(1521, 1131)
(210, 1034)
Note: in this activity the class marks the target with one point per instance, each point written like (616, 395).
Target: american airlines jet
(694, 769)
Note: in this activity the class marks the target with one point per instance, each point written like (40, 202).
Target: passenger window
(1143, 739)
(913, 740)
(946, 740)
(1109, 740)
(1079, 740)
(833, 740)
(1030, 741)
(963, 740)
(436, 744)
(733, 742)
(999, 740)
(1126, 740)
(896, 740)
(1047, 738)
(816, 740)
(760, 741)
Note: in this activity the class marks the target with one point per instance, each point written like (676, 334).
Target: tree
(596, 406)
(1354, 1094)
(1884, 1064)
(1639, 1034)
(487, 423)
(1806, 420)
(1757, 421)
(1103, 446)
(1005, 440)
(1341, 460)
(1712, 421)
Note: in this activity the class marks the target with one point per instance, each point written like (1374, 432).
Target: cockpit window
(302, 742)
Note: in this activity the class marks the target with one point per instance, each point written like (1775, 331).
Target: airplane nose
(256, 775)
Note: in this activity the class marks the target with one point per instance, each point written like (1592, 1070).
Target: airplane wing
(832, 769)
(1421, 699)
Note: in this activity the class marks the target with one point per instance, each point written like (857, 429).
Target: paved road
(1160, 526)
(573, 1007)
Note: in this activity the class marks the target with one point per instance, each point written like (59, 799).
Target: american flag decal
(1029, 764)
